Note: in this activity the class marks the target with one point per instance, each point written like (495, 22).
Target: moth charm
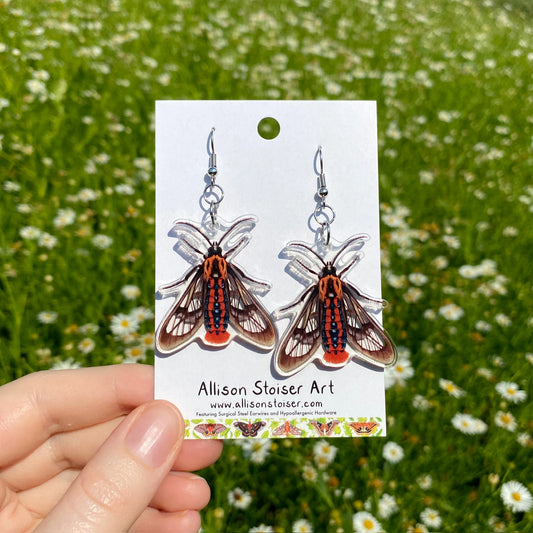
(330, 318)
(215, 293)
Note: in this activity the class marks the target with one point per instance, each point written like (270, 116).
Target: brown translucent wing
(303, 338)
(364, 334)
(248, 317)
(184, 318)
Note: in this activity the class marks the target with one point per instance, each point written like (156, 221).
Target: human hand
(88, 450)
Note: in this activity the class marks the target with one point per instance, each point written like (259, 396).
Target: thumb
(118, 483)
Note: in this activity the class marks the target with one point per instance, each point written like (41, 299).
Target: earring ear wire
(324, 214)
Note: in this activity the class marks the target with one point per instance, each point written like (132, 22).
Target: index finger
(44, 403)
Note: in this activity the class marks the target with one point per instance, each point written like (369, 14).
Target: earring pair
(325, 320)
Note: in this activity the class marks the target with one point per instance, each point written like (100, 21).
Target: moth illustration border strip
(236, 428)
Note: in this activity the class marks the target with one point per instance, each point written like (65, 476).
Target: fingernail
(154, 434)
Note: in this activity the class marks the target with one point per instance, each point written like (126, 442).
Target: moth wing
(210, 430)
(248, 317)
(219, 428)
(280, 430)
(316, 424)
(256, 426)
(302, 337)
(243, 426)
(364, 334)
(295, 430)
(184, 318)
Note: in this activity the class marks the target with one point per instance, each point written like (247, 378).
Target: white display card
(236, 391)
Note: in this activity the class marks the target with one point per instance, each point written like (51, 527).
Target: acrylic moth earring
(329, 322)
(214, 293)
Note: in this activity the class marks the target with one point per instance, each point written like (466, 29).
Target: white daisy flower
(64, 217)
(46, 240)
(256, 450)
(421, 402)
(122, 324)
(510, 391)
(468, 424)
(505, 420)
(524, 439)
(364, 522)
(431, 518)
(86, 345)
(66, 364)
(143, 163)
(399, 373)
(239, 499)
(387, 506)
(451, 312)
(302, 526)
(87, 195)
(142, 314)
(309, 473)
(502, 320)
(417, 278)
(324, 453)
(102, 241)
(130, 292)
(135, 352)
(425, 481)
(451, 388)
(262, 528)
(516, 497)
(392, 452)
(30, 232)
(47, 317)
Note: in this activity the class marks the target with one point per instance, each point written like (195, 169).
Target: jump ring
(213, 194)
(324, 214)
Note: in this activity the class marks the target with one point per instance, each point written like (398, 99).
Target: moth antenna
(186, 242)
(191, 226)
(249, 222)
(347, 245)
(305, 267)
(305, 247)
(239, 244)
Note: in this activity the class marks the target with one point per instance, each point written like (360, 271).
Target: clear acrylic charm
(215, 301)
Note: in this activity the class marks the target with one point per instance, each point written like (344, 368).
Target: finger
(39, 501)
(60, 452)
(117, 485)
(13, 515)
(179, 491)
(152, 520)
(74, 449)
(38, 405)
(197, 454)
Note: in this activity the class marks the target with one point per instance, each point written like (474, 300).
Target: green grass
(453, 84)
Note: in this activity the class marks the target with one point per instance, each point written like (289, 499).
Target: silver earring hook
(213, 193)
(212, 171)
(324, 214)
